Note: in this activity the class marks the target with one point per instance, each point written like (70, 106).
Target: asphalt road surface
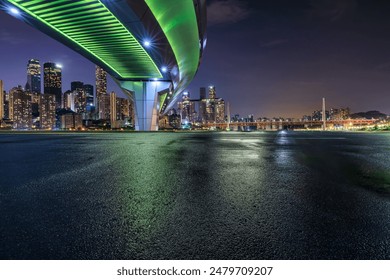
(258, 195)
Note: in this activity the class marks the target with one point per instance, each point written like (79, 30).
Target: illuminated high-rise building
(6, 104)
(88, 89)
(219, 110)
(47, 111)
(33, 76)
(68, 100)
(1, 100)
(104, 107)
(187, 108)
(210, 106)
(80, 102)
(113, 109)
(80, 98)
(20, 108)
(35, 103)
(101, 86)
(125, 109)
(77, 85)
(202, 105)
(212, 92)
(211, 109)
(52, 81)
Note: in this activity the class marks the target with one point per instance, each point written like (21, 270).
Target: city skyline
(279, 66)
(101, 78)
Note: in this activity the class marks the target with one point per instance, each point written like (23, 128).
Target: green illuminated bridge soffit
(92, 27)
(178, 20)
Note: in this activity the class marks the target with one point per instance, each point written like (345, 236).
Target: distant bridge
(292, 124)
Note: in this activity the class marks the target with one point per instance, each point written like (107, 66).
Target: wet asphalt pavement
(259, 195)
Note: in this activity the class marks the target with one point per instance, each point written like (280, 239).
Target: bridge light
(14, 11)
(164, 69)
(147, 43)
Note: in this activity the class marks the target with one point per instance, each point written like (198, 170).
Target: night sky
(267, 58)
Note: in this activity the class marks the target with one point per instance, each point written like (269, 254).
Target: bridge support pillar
(145, 98)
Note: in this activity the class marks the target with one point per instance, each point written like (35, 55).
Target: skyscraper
(125, 109)
(113, 110)
(1, 100)
(202, 93)
(76, 85)
(219, 110)
(212, 109)
(6, 104)
(89, 93)
(104, 107)
(80, 98)
(33, 76)
(101, 86)
(202, 105)
(90, 100)
(69, 100)
(53, 81)
(35, 103)
(212, 92)
(210, 115)
(187, 108)
(20, 108)
(47, 111)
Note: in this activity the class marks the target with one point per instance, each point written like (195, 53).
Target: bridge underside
(147, 46)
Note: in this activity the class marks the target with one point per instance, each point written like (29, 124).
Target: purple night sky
(266, 57)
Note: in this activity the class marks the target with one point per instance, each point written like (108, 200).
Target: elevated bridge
(152, 48)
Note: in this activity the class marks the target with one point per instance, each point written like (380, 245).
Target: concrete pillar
(145, 98)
